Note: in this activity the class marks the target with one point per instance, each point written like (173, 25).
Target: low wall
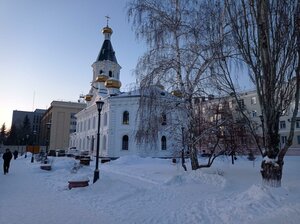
(20, 148)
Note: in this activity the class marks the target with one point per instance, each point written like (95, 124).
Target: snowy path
(30, 200)
(148, 191)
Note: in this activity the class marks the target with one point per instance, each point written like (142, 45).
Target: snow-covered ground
(145, 190)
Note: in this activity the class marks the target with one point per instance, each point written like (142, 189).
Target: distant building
(58, 122)
(34, 118)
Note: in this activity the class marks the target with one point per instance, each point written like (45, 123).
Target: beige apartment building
(59, 122)
(249, 101)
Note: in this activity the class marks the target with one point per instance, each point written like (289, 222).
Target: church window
(101, 71)
(94, 122)
(104, 143)
(126, 117)
(163, 119)
(125, 142)
(110, 74)
(105, 119)
(163, 143)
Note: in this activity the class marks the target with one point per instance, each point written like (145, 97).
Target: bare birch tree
(181, 37)
(266, 34)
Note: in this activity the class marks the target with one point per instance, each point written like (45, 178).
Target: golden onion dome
(88, 97)
(177, 93)
(107, 30)
(113, 83)
(101, 78)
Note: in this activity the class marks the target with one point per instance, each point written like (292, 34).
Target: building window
(254, 113)
(126, 117)
(110, 74)
(283, 139)
(282, 125)
(241, 104)
(125, 142)
(220, 106)
(298, 124)
(163, 143)
(253, 100)
(298, 139)
(163, 119)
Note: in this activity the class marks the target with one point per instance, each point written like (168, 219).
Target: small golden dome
(177, 93)
(113, 83)
(88, 97)
(107, 30)
(101, 78)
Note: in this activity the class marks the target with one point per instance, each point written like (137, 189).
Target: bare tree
(181, 38)
(266, 34)
(221, 130)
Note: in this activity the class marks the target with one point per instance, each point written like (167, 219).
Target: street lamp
(263, 129)
(48, 125)
(34, 133)
(27, 137)
(99, 104)
(182, 150)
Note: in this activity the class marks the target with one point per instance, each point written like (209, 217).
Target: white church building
(119, 116)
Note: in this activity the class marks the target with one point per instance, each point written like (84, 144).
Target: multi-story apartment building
(248, 102)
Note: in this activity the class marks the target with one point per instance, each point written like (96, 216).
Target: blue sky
(48, 47)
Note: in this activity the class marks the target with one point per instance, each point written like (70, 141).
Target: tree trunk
(194, 159)
(271, 172)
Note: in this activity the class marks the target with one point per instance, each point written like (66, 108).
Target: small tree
(12, 138)
(221, 130)
(3, 134)
(25, 129)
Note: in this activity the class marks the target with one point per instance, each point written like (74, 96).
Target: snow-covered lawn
(145, 190)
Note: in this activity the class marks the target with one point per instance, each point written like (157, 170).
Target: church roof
(107, 52)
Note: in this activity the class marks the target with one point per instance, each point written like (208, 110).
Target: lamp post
(99, 104)
(263, 128)
(182, 150)
(27, 137)
(48, 125)
(34, 133)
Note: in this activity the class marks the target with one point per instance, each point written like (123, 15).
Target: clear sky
(47, 49)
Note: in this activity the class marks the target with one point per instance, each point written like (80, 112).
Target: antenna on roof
(107, 19)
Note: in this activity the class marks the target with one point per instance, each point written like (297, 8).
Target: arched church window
(163, 119)
(94, 122)
(101, 71)
(110, 74)
(125, 142)
(163, 143)
(105, 119)
(126, 117)
(104, 143)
